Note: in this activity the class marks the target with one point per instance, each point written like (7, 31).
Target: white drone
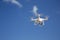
(39, 20)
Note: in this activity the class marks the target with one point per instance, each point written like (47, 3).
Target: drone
(39, 20)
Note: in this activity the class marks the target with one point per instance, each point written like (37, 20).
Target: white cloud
(35, 10)
(14, 2)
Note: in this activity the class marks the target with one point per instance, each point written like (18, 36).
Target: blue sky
(15, 23)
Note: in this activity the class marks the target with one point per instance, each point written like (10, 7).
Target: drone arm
(33, 19)
(45, 18)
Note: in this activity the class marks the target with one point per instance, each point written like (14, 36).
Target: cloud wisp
(35, 10)
(14, 2)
